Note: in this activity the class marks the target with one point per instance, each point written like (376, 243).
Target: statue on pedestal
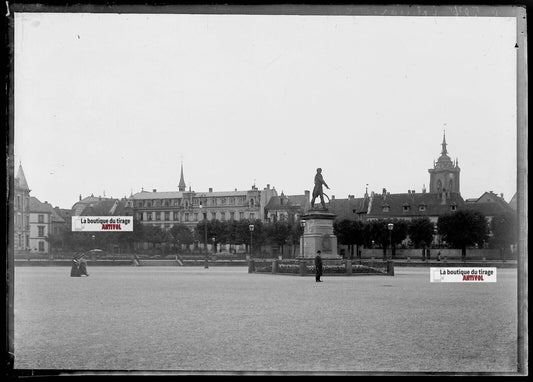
(317, 190)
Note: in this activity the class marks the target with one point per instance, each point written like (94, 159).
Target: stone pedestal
(318, 235)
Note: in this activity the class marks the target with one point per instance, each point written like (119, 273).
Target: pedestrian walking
(318, 267)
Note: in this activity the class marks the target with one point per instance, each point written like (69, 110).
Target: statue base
(318, 235)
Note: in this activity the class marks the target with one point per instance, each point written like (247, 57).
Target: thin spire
(444, 151)
(181, 186)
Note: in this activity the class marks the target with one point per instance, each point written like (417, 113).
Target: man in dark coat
(317, 190)
(318, 266)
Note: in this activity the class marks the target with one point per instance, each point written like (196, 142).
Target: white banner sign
(102, 223)
(459, 275)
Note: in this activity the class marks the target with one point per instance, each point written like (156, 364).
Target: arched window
(439, 185)
(450, 185)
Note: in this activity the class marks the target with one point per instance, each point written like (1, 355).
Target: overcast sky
(114, 102)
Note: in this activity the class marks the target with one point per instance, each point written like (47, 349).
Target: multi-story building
(287, 208)
(444, 196)
(40, 226)
(21, 210)
(167, 208)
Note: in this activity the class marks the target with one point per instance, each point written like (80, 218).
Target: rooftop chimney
(210, 189)
(268, 186)
(154, 190)
(351, 197)
(307, 193)
(80, 197)
(332, 197)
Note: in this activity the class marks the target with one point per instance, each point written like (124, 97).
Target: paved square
(222, 318)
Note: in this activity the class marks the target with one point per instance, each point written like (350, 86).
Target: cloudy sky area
(112, 103)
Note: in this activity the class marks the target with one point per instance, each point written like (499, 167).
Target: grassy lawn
(222, 318)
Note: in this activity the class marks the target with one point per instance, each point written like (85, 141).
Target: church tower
(444, 176)
(181, 186)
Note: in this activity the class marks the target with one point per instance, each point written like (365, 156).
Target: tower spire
(444, 151)
(181, 186)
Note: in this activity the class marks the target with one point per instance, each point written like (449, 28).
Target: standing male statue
(318, 191)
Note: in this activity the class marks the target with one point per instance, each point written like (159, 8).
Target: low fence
(449, 253)
(304, 267)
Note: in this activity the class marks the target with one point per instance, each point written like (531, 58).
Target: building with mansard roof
(444, 196)
(287, 208)
(166, 208)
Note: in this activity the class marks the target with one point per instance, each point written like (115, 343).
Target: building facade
(287, 208)
(21, 212)
(164, 209)
(40, 226)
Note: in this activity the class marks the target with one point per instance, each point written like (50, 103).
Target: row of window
(19, 200)
(194, 217)
(221, 201)
(407, 207)
(21, 244)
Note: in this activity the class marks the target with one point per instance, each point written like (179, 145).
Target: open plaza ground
(225, 319)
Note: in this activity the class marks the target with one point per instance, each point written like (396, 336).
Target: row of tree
(212, 232)
(459, 229)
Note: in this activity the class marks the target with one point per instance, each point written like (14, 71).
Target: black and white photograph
(266, 190)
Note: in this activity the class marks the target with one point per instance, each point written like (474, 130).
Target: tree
(278, 233)
(350, 233)
(504, 231)
(154, 235)
(463, 228)
(181, 234)
(376, 230)
(420, 231)
(343, 230)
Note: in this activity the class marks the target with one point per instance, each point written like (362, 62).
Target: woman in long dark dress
(83, 268)
(75, 270)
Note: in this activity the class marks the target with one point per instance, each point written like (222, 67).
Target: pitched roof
(283, 202)
(21, 179)
(489, 204)
(347, 208)
(37, 206)
(101, 208)
(434, 206)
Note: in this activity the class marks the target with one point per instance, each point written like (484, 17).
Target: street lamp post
(206, 261)
(94, 246)
(302, 223)
(251, 228)
(390, 226)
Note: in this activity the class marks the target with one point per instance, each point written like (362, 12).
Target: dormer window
(406, 207)
(421, 207)
(453, 207)
(385, 208)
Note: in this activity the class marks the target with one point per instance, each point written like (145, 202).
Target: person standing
(74, 270)
(318, 267)
(83, 267)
